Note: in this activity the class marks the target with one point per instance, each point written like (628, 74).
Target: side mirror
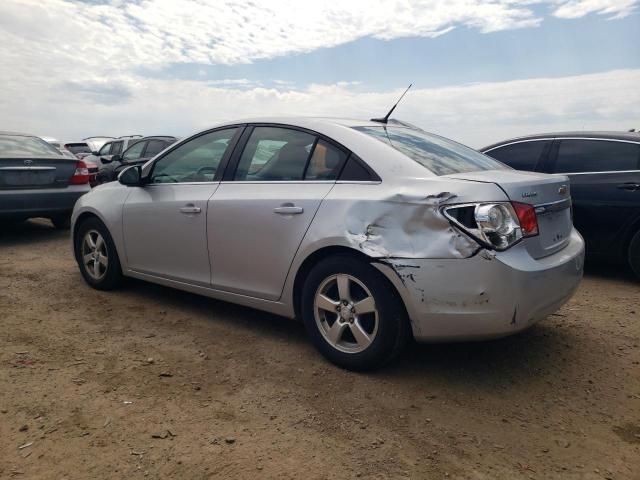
(94, 153)
(131, 176)
(107, 159)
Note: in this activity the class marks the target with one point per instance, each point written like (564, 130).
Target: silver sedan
(372, 233)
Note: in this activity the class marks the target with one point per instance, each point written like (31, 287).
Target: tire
(339, 335)
(109, 273)
(62, 222)
(633, 254)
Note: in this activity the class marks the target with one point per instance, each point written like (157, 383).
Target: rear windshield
(78, 147)
(437, 154)
(22, 146)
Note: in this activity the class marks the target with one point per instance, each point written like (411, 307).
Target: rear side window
(154, 147)
(116, 148)
(281, 154)
(521, 155)
(576, 156)
(325, 162)
(437, 154)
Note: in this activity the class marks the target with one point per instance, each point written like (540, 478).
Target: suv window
(596, 156)
(154, 147)
(105, 150)
(194, 161)
(134, 152)
(116, 147)
(521, 155)
(437, 154)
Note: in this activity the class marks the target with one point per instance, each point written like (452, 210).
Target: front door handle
(190, 209)
(629, 186)
(288, 209)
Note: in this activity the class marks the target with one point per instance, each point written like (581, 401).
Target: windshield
(435, 153)
(22, 146)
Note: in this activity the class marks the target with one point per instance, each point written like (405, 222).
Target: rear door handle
(190, 208)
(288, 209)
(629, 186)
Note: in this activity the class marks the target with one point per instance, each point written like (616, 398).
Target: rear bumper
(40, 202)
(488, 295)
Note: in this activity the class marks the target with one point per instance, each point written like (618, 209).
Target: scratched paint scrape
(407, 226)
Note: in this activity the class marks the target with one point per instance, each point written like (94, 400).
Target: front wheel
(97, 256)
(352, 313)
(634, 254)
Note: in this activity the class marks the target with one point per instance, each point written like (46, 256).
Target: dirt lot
(148, 382)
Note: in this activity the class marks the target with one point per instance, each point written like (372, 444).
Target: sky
(482, 71)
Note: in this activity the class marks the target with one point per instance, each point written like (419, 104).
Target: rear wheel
(62, 222)
(352, 313)
(634, 254)
(97, 256)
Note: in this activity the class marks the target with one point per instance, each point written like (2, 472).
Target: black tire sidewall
(391, 315)
(113, 276)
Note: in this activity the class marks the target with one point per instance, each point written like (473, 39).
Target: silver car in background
(371, 233)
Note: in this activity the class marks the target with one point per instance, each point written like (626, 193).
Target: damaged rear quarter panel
(400, 220)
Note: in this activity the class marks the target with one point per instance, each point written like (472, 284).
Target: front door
(258, 218)
(165, 222)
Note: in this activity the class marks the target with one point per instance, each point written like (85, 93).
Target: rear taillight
(527, 217)
(497, 225)
(81, 174)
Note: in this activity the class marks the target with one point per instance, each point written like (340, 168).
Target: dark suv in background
(604, 168)
(137, 153)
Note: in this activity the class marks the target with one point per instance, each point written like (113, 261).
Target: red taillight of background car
(527, 218)
(81, 174)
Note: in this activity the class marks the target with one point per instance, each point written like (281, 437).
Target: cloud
(613, 9)
(73, 68)
(476, 114)
(103, 92)
(154, 32)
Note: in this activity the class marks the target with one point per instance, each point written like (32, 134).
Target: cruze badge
(529, 194)
(562, 190)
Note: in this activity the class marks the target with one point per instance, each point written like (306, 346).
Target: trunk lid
(549, 194)
(36, 172)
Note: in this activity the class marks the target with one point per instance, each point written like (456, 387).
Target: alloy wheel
(345, 313)
(95, 257)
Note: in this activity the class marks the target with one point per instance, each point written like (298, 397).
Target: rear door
(605, 187)
(164, 222)
(263, 208)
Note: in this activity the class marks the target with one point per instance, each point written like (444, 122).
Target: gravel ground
(148, 382)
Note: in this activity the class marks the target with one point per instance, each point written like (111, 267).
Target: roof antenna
(385, 119)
